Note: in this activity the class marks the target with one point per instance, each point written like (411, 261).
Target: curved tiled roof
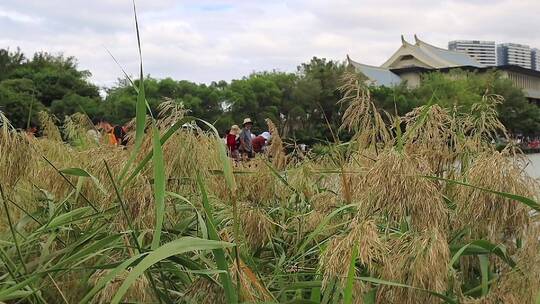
(451, 57)
(418, 55)
(377, 75)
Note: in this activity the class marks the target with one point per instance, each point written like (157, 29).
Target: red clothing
(231, 142)
(258, 143)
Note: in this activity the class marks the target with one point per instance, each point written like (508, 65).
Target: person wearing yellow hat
(246, 145)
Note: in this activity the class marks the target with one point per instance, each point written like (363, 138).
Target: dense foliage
(431, 215)
(303, 104)
(298, 102)
(28, 85)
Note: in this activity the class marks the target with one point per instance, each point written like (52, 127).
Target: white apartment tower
(485, 52)
(514, 54)
(535, 59)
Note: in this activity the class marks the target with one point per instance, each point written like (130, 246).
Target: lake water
(533, 168)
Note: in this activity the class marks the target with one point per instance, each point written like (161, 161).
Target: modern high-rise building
(514, 54)
(535, 59)
(485, 52)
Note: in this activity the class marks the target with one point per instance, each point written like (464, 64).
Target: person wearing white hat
(260, 142)
(266, 136)
(246, 145)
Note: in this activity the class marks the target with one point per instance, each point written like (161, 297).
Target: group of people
(104, 132)
(243, 144)
(527, 142)
(101, 132)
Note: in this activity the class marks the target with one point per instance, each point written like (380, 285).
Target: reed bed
(414, 209)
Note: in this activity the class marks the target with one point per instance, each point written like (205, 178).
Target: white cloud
(15, 16)
(223, 39)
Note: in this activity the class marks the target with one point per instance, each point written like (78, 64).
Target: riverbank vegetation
(414, 208)
(302, 104)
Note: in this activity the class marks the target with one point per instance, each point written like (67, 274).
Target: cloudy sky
(204, 40)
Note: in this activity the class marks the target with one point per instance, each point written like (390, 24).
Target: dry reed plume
(489, 215)
(276, 151)
(372, 251)
(361, 115)
(417, 259)
(396, 189)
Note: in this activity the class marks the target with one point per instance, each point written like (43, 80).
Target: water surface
(533, 168)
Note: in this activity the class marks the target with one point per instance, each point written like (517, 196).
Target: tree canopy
(458, 90)
(303, 104)
(30, 85)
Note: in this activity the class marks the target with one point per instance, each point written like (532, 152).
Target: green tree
(73, 103)
(461, 89)
(18, 103)
(458, 90)
(319, 94)
(9, 61)
(395, 100)
(257, 96)
(119, 105)
(303, 104)
(55, 77)
(516, 112)
(200, 100)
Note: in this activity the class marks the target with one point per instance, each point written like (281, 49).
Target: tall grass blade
(479, 247)
(280, 177)
(178, 246)
(225, 161)
(177, 125)
(231, 184)
(83, 173)
(66, 218)
(328, 295)
(140, 108)
(129, 221)
(200, 220)
(475, 290)
(106, 243)
(30, 111)
(159, 187)
(399, 136)
(17, 290)
(109, 277)
(17, 294)
(457, 255)
(219, 253)
(315, 295)
(70, 183)
(12, 228)
(484, 267)
(348, 292)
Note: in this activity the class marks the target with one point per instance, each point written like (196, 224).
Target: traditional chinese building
(410, 61)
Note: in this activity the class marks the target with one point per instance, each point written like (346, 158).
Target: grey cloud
(223, 39)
